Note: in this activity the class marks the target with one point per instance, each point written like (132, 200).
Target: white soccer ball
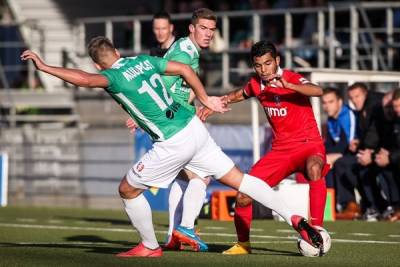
(309, 251)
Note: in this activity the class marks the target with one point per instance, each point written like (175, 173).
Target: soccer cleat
(188, 236)
(240, 248)
(141, 251)
(173, 244)
(307, 232)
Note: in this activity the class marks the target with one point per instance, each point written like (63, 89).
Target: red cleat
(141, 251)
(173, 244)
(307, 232)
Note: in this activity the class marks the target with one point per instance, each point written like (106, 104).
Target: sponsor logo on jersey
(275, 112)
(277, 100)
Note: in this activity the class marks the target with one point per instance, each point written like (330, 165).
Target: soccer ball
(309, 251)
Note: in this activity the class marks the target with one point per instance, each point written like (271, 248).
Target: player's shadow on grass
(90, 247)
(218, 248)
(97, 220)
(275, 252)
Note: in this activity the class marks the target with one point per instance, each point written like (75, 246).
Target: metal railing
(343, 36)
(36, 41)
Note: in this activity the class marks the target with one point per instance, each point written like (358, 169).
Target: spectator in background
(371, 121)
(163, 30)
(387, 157)
(341, 131)
(353, 169)
(341, 124)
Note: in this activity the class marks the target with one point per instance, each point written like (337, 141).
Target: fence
(356, 36)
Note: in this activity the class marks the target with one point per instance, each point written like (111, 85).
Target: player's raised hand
(131, 124)
(28, 54)
(218, 104)
(276, 80)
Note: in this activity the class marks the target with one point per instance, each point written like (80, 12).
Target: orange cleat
(173, 244)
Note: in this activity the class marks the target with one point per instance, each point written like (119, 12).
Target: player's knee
(127, 191)
(243, 200)
(314, 172)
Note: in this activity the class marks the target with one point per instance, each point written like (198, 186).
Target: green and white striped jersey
(136, 84)
(183, 51)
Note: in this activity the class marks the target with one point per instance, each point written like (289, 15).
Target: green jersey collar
(118, 64)
(198, 49)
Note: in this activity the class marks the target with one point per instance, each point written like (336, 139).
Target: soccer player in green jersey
(181, 140)
(186, 198)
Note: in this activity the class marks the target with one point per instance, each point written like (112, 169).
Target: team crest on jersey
(140, 166)
(277, 100)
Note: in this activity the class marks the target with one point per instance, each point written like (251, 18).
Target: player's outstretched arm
(307, 89)
(74, 76)
(232, 97)
(218, 104)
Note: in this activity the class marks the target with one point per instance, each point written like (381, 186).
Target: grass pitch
(82, 237)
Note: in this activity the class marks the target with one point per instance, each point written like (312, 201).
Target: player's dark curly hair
(98, 47)
(263, 47)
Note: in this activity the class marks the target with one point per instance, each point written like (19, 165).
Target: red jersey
(289, 113)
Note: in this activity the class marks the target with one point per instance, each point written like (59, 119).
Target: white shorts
(191, 148)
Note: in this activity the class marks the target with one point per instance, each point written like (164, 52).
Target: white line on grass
(55, 221)
(124, 230)
(215, 228)
(285, 231)
(256, 230)
(25, 220)
(360, 234)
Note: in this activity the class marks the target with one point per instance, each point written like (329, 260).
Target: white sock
(263, 193)
(139, 212)
(193, 200)
(175, 207)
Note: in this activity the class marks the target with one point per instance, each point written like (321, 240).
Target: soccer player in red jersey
(297, 145)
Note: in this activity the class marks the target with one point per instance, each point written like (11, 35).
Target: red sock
(317, 195)
(242, 218)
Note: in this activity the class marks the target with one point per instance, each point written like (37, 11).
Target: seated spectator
(371, 119)
(387, 158)
(341, 132)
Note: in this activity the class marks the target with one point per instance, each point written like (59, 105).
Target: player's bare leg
(139, 212)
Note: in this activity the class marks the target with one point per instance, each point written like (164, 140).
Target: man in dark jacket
(371, 122)
(388, 158)
(354, 169)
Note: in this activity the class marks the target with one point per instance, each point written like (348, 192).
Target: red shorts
(278, 164)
